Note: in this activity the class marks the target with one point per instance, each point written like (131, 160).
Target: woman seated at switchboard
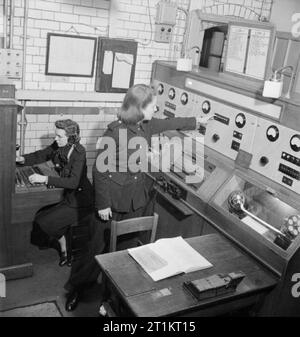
(120, 189)
(69, 159)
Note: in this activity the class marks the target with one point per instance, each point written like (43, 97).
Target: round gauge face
(295, 143)
(206, 107)
(160, 89)
(272, 133)
(172, 93)
(184, 98)
(240, 120)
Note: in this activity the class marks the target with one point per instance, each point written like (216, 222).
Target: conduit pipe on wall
(23, 120)
(5, 8)
(11, 30)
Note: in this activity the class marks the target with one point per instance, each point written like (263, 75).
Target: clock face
(206, 107)
(295, 143)
(272, 133)
(240, 120)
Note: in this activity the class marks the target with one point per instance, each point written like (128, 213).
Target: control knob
(264, 161)
(215, 137)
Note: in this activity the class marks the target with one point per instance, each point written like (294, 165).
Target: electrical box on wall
(10, 63)
(165, 21)
(163, 33)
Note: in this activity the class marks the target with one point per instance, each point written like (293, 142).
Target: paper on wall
(122, 70)
(258, 53)
(107, 62)
(237, 48)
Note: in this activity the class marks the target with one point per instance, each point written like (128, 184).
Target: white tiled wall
(135, 20)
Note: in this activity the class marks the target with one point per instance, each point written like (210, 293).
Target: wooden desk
(137, 294)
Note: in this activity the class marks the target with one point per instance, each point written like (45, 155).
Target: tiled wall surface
(135, 20)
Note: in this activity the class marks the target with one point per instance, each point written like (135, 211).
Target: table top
(147, 298)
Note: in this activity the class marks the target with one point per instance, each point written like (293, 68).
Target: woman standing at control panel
(120, 190)
(69, 159)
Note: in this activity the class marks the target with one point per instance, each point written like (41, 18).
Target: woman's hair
(71, 128)
(135, 100)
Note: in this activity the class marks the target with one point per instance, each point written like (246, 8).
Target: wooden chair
(118, 228)
(134, 225)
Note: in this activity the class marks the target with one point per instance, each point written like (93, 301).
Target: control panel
(275, 149)
(276, 154)
(231, 129)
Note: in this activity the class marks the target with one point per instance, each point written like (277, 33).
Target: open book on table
(168, 257)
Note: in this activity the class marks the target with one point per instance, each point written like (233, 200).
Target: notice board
(249, 49)
(116, 62)
(70, 55)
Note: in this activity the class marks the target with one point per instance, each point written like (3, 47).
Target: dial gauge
(240, 120)
(272, 133)
(206, 107)
(172, 93)
(295, 143)
(160, 89)
(184, 98)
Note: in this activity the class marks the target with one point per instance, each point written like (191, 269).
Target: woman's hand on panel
(20, 159)
(38, 179)
(105, 214)
(202, 121)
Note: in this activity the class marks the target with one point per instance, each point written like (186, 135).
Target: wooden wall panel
(8, 122)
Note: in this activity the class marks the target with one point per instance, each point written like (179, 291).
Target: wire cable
(151, 27)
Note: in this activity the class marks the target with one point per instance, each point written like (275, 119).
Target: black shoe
(69, 263)
(63, 259)
(72, 300)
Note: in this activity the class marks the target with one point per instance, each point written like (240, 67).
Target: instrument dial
(160, 89)
(240, 120)
(295, 143)
(184, 98)
(272, 133)
(206, 107)
(172, 93)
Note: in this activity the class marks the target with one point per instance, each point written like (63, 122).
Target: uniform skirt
(52, 222)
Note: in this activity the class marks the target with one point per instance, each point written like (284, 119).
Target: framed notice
(249, 49)
(115, 66)
(70, 55)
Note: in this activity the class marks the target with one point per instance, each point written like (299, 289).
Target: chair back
(134, 225)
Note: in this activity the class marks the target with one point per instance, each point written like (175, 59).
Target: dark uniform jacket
(125, 191)
(73, 172)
